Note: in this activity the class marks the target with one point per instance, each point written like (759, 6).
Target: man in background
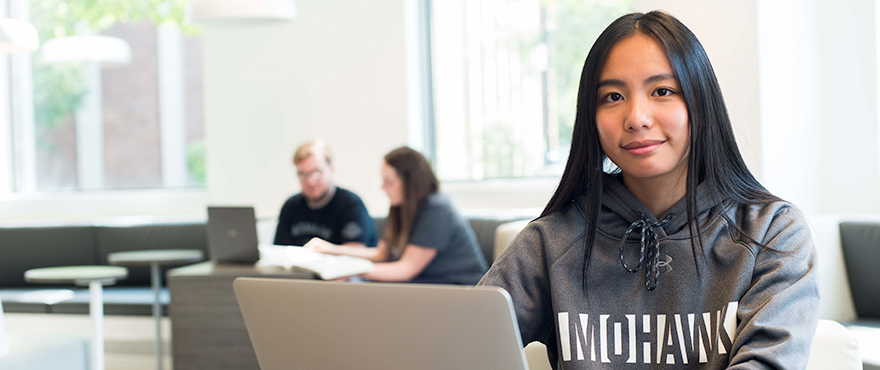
(322, 210)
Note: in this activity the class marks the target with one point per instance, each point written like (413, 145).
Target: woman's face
(392, 185)
(641, 115)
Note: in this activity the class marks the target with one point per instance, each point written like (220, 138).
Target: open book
(326, 266)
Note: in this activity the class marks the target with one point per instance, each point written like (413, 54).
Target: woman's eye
(612, 97)
(662, 92)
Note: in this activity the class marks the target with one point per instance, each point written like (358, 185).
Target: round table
(154, 258)
(94, 277)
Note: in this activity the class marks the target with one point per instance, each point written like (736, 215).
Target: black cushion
(149, 237)
(861, 252)
(24, 248)
(485, 232)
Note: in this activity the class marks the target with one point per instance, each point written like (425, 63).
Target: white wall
(790, 115)
(337, 72)
(820, 101)
(847, 107)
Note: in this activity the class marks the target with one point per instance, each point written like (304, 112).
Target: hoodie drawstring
(650, 256)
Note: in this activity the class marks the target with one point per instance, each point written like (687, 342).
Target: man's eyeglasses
(313, 175)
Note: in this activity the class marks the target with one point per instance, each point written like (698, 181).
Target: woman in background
(425, 240)
(659, 248)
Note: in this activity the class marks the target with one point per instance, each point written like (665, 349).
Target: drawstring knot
(649, 255)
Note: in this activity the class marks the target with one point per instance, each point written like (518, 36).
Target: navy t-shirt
(439, 226)
(344, 219)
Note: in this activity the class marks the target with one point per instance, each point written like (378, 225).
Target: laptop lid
(316, 325)
(232, 235)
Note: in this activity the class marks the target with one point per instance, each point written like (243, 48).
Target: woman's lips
(643, 147)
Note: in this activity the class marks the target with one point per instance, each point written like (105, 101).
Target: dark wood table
(207, 329)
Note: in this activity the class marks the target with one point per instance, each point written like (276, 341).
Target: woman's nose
(638, 115)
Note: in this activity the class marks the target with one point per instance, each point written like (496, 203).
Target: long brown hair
(418, 181)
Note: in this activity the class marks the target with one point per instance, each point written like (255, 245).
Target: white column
(5, 132)
(90, 131)
(96, 312)
(24, 151)
(172, 105)
(877, 68)
(20, 158)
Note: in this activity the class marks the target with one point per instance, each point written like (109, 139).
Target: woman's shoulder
(436, 206)
(770, 212)
(560, 227)
(767, 221)
(437, 201)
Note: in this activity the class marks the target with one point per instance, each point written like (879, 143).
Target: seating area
(34, 246)
(848, 281)
(25, 248)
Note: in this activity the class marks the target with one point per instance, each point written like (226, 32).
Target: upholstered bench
(24, 247)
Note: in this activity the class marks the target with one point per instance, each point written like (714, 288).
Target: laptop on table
(316, 325)
(232, 235)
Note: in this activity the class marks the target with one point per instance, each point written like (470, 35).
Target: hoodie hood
(624, 218)
(620, 208)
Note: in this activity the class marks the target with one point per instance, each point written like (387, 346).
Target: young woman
(674, 256)
(425, 239)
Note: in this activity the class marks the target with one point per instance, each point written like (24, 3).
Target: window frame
(77, 205)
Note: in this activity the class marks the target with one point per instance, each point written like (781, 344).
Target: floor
(129, 340)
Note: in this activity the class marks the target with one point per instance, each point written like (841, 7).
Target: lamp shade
(17, 35)
(109, 51)
(219, 11)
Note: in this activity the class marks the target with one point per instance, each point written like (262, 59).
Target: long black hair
(714, 156)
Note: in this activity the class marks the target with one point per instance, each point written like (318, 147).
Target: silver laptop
(317, 325)
(232, 235)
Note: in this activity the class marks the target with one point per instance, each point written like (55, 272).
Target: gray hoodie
(741, 301)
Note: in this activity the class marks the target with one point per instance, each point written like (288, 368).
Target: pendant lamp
(109, 51)
(224, 11)
(17, 35)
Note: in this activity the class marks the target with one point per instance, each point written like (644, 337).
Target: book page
(326, 266)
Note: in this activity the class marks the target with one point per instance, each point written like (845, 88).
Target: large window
(505, 76)
(111, 100)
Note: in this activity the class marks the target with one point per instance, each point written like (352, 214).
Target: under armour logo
(666, 263)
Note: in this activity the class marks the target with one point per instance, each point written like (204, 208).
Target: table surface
(146, 257)
(79, 275)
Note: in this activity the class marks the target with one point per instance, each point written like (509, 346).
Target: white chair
(834, 347)
(505, 233)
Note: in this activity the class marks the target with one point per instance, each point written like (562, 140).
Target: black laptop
(232, 235)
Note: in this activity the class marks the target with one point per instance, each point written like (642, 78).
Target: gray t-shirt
(439, 226)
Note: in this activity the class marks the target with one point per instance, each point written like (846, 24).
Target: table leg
(96, 311)
(157, 311)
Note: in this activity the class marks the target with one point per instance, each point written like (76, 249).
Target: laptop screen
(232, 235)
